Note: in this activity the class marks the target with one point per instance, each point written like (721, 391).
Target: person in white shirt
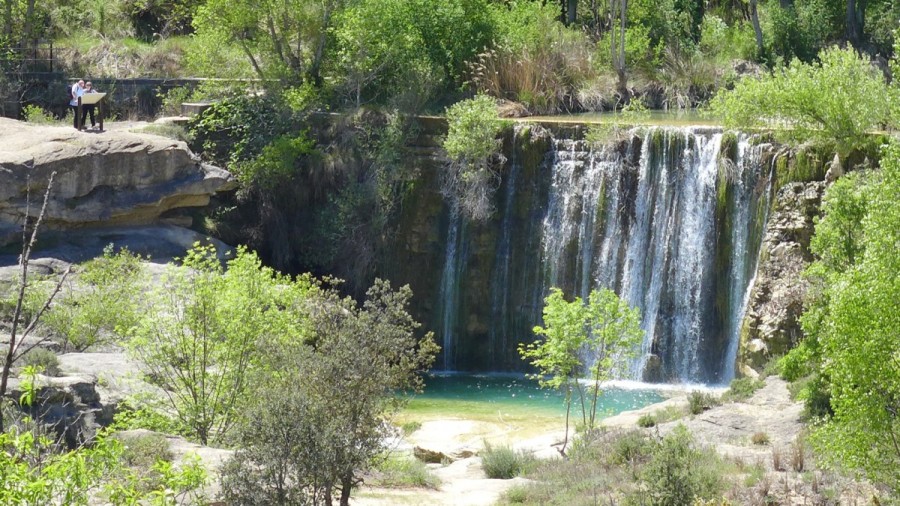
(76, 92)
(88, 88)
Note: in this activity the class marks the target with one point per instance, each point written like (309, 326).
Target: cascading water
(454, 263)
(669, 218)
(500, 296)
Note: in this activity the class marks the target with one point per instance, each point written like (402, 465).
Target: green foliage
(277, 162)
(605, 330)
(199, 334)
(474, 151)
(812, 101)
(504, 463)
(646, 421)
(679, 473)
(319, 411)
(282, 40)
(403, 471)
(37, 115)
(741, 389)
(803, 29)
(420, 46)
(238, 128)
(856, 326)
(44, 359)
(698, 402)
(103, 302)
(472, 129)
(34, 472)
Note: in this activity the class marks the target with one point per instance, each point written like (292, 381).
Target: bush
(759, 438)
(812, 102)
(43, 358)
(37, 115)
(630, 448)
(698, 402)
(101, 303)
(474, 151)
(678, 473)
(404, 472)
(646, 421)
(503, 462)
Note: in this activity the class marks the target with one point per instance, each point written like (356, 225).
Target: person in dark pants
(88, 109)
(75, 92)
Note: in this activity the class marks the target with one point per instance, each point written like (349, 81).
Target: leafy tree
(856, 327)
(103, 301)
(319, 414)
(202, 331)
(34, 473)
(282, 39)
(812, 101)
(582, 339)
(405, 50)
(474, 151)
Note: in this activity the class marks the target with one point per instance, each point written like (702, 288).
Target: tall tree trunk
(618, 15)
(346, 486)
(571, 12)
(754, 19)
(856, 12)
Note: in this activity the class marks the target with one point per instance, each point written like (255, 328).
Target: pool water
(519, 393)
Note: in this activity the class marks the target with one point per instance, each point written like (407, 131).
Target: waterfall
(671, 219)
(454, 263)
(500, 283)
(650, 232)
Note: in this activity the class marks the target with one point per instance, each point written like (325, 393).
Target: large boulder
(109, 178)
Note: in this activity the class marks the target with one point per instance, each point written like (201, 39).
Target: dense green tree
(284, 40)
(857, 328)
(583, 339)
(813, 101)
(202, 331)
(319, 413)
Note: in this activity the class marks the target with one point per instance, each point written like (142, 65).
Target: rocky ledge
(109, 178)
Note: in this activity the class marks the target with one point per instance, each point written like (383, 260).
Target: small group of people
(79, 89)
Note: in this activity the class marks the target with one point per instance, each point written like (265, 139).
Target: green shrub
(742, 388)
(698, 402)
(101, 304)
(679, 473)
(37, 115)
(503, 463)
(474, 149)
(517, 494)
(404, 472)
(43, 358)
(630, 448)
(646, 421)
(410, 427)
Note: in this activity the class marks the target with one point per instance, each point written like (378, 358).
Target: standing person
(76, 92)
(88, 88)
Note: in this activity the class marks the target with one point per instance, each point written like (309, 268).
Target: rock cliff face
(110, 178)
(771, 325)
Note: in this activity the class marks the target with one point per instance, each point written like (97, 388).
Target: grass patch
(410, 427)
(403, 472)
(504, 463)
(759, 438)
(646, 421)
